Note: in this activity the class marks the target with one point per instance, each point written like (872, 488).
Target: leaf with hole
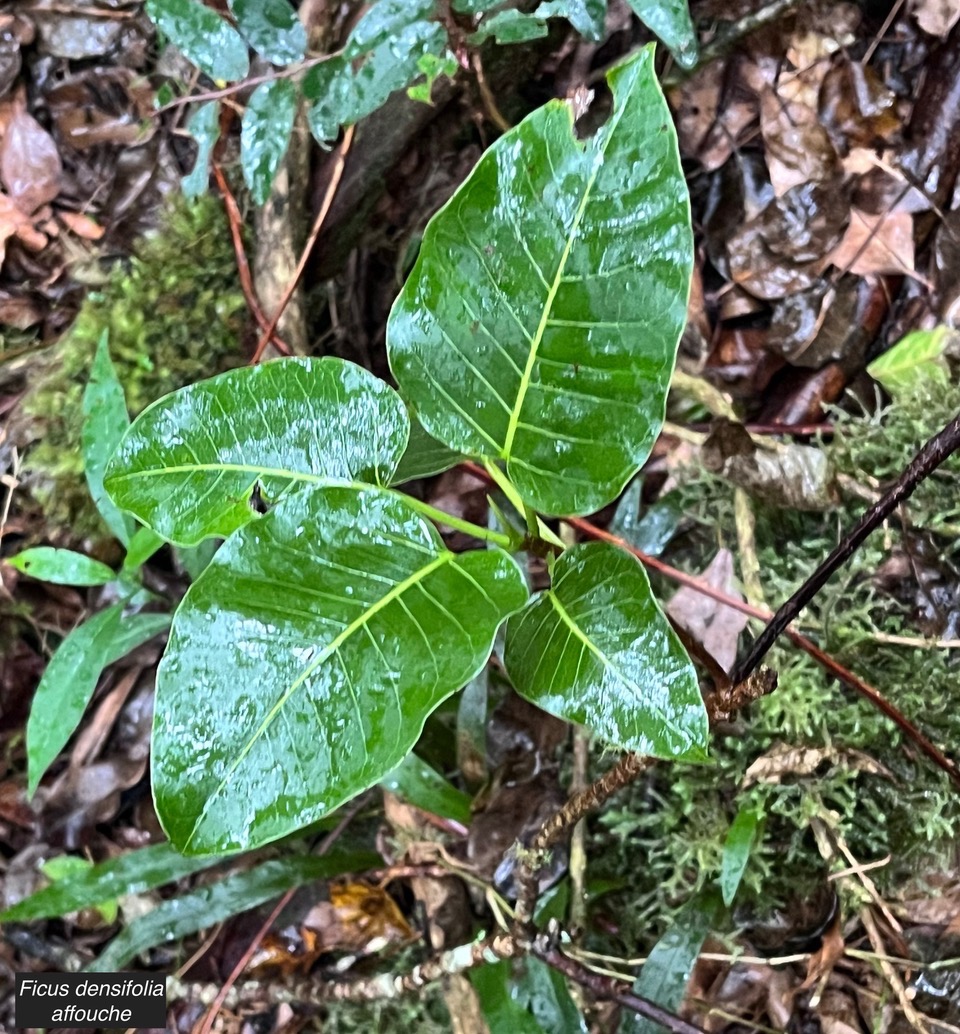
(272, 28)
(596, 649)
(202, 36)
(61, 566)
(190, 463)
(265, 134)
(541, 320)
(71, 677)
(304, 661)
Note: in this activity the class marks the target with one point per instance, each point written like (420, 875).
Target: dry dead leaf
(716, 627)
(359, 919)
(30, 164)
(14, 223)
(783, 760)
(876, 244)
(798, 146)
(82, 225)
(937, 17)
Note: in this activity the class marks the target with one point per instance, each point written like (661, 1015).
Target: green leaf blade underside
(202, 36)
(540, 323)
(265, 134)
(190, 462)
(204, 907)
(596, 649)
(304, 661)
(131, 873)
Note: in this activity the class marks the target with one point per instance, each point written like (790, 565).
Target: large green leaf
(304, 661)
(541, 320)
(596, 649)
(190, 462)
(61, 566)
(382, 55)
(265, 134)
(105, 420)
(272, 28)
(179, 917)
(202, 36)
(131, 873)
(71, 677)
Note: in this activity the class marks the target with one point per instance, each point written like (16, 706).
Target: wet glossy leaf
(204, 126)
(543, 991)
(272, 28)
(423, 456)
(586, 16)
(304, 660)
(596, 649)
(664, 976)
(541, 320)
(61, 566)
(131, 873)
(670, 20)
(419, 784)
(71, 677)
(177, 918)
(105, 420)
(736, 852)
(191, 461)
(66, 866)
(915, 361)
(651, 532)
(387, 44)
(202, 36)
(502, 1014)
(265, 134)
(510, 26)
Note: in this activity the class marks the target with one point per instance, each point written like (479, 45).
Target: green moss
(175, 313)
(677, 820)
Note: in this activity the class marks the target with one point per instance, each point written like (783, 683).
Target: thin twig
(243, 266)
(936, 450)
(311, 241)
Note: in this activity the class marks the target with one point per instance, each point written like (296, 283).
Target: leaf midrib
(597, 153)
(607, 661)
(328, 651)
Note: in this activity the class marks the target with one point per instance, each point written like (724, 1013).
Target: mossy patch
(667, 833)
(175, 314)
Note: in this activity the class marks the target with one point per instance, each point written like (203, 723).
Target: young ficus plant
(536, 334)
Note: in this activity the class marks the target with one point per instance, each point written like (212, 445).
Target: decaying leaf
(876, 244)
(359, 919)
(783, 760)
(937, 17)
(30, 164)
(716, 627)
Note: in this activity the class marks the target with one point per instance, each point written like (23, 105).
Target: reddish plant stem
(243, 266)
(311, 241)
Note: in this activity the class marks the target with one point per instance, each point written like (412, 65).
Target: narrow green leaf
(131, 873)
(62, 566)
(915, 361)
(105, 420)
(304, 661)
(543, 991)
(142, 546)
(66, 866)
(667, 970)
(202, 36)
(670, 20)
(541, 320)
(204, 907)
(265, 134)
(423, 456)
(190, 463)
(419, 784)
(510, 26)
(272, 28)
(596, 649)
(71, 677)
(736, 852)
(387, 45)
(204, 126)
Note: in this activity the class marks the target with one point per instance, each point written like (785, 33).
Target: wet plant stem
(933, 453)
(459, 524)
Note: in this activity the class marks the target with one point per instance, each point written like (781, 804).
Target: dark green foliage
(174, 314)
